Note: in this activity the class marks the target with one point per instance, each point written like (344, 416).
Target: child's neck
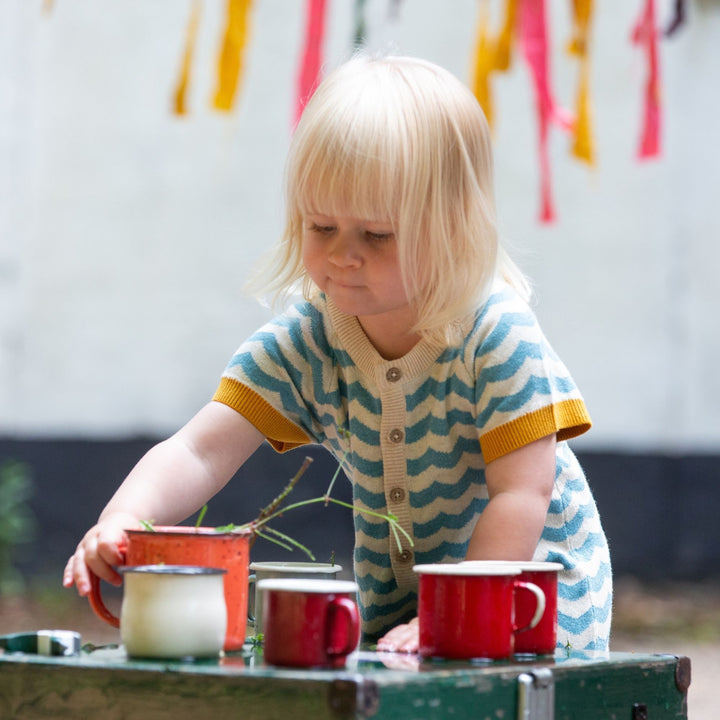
(391, 341)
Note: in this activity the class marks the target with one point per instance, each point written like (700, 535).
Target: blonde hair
(401, 140)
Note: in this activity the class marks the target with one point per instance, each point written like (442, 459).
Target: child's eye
(321, 229)
(379, 236)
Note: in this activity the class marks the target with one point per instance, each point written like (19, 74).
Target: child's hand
(100, 549)
(403, 638)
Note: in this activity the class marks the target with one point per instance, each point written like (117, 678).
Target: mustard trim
(282, 434)
(567, 419)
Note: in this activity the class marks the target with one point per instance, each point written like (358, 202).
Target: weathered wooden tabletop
(105, 684)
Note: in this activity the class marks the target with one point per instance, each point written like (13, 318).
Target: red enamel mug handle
(97, 604)
(343, 610)
(539, 606)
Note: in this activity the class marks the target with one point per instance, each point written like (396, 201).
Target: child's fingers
(109, 544)
(403, 638)
(101, 554)
(95, 553)
(76, 574)
(68, 577)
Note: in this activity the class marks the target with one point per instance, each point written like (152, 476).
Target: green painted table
(105, 684)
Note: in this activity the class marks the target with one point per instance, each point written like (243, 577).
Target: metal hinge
(536, 695)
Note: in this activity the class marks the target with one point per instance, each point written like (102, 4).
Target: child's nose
(343, 250)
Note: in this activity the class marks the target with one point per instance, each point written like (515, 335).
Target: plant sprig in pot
(260, 527)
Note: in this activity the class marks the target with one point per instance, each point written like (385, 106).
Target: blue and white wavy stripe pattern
(504, 370)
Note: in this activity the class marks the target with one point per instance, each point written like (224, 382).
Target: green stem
(289, 540)
(328, 492)
(391, 519)
(201, 516)
(271, 510)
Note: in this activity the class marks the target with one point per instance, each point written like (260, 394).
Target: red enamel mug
(467, 610)
(184, 545)
(309, 623)
(542, 638)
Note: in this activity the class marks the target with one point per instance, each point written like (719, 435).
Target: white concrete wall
(126, 233)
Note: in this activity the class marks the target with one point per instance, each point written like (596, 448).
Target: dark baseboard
(661, 513)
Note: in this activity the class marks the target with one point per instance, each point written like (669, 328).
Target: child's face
(355, 262)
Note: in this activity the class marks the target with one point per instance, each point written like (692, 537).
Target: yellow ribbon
(583, 146)
(231, 54)
(492, 54)
(483, 65)
(179, 104)
(503, 49)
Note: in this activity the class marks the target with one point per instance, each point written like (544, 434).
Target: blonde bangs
(345, 161)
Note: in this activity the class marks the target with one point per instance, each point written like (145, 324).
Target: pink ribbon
(645, 34)
(310, 68)
(534, 39)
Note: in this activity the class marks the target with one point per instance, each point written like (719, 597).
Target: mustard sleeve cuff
(280, 432)
(567, 419)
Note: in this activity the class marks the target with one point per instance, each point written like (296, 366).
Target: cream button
(393, 374)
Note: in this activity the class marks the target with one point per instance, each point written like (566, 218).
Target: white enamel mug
(173, 611)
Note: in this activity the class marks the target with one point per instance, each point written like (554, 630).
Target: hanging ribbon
(394, 10)
(645, 34)
(491, 54)
(483, 65)
(312, 55)
(179, 104)
(678, 18)
(583, 145)
(360, 33)
(231, 54)
(503, 46)
(534, 38)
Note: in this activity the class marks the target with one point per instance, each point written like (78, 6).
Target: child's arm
(519, 485)
(171, 481)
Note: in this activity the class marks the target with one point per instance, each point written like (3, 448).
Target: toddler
(414, 350)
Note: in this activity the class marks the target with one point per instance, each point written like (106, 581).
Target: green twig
(284, 541)
(287, 539)
(201, 516)
(271, 510)
(391, 519)
(346, 434)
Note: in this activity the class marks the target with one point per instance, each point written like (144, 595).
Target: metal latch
(43, 642)
(536, 695)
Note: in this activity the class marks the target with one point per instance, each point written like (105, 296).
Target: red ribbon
(534, 39)
(311, 66)
(645, 34)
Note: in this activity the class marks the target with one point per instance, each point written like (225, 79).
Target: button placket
(392, 440)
